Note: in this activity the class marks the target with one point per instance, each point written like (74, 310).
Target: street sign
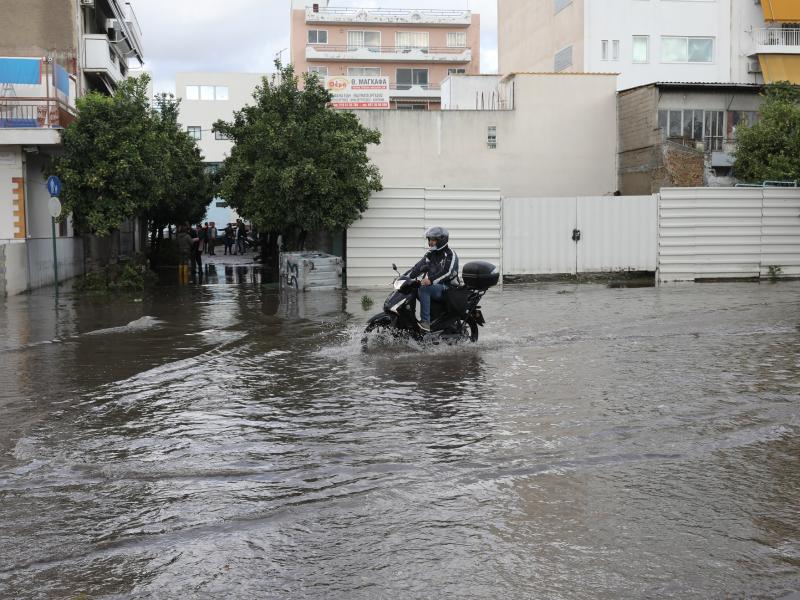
(54, 206)
(54, 185)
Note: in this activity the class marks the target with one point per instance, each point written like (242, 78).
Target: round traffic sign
(54, 206)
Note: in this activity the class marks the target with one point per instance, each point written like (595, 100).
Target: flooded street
(232, 441)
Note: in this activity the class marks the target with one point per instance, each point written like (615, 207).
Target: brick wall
(640, 158)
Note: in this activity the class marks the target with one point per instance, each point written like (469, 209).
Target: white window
(456, 39)
(408, 77)
(319, 70)
(491, 137)
(218, 135)
(604, 50)
(411, 39)
(206, 92)
(641, 49)
(194, 131)
(687, 49)
(614, 49)
(364, 39)
(456, 71)
(559, 5)
(317, 36)
(562, 59)
(364, 71)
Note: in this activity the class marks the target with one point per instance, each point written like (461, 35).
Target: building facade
(51, 53)
(681, 134)
(555, 138)
(204, 99)
(719, 41)
(415, 48)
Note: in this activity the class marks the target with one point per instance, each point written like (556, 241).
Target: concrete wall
(11, 189)
(639, 140)
(559, 141)
(530, 33)
(470, 92)
(38, 27)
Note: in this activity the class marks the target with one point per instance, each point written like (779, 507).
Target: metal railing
(420, 15)
(30, 113)
(389, 49)
(777, 37)
(408, 86)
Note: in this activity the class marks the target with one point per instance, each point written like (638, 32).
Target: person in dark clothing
(229, 239)
(197, 253)
(241, 236)
(439, 268)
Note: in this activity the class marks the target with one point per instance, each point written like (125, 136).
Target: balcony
(777, 41)
(389, 16)
(99, 58)
(414, 91)
(397, 54)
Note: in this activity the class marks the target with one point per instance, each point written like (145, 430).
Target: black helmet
(440, 234)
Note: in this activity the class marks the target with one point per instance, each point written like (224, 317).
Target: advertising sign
(358, 92)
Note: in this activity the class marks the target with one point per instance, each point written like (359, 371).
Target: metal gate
(724, 233)
(391, 230)
(571, 235)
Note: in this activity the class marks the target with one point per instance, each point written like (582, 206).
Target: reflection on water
(233, 440)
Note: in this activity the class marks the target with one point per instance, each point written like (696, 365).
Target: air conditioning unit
(753, 66)
(89, 3)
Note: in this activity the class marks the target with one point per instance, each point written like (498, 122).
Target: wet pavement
(228, 440)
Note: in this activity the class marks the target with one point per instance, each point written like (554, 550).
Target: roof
(697, 84)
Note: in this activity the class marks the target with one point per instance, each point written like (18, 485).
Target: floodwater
(231, 441)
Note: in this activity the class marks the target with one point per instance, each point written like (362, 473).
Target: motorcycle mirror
(394, 267)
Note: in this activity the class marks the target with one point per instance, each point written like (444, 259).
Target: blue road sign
(54, 185)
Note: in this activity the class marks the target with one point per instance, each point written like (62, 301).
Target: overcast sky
(246, 35)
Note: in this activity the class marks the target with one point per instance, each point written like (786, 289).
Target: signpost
(358, 92)
(54, 207)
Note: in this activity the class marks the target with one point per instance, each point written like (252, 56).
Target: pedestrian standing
(212, 237)
(203, 231)
(185, 258)
(241, 236)
(197, 252)
(229, 234)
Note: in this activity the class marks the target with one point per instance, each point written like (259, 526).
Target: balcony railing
(388, 53)
(34, 113)
(408, 86)
(388, 16)
(777, 37)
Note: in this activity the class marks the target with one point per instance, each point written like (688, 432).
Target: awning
(781, 10)
(780, 67)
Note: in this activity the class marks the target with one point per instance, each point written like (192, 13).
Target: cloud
(246, 35)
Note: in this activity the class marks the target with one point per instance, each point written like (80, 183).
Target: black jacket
(441, 266)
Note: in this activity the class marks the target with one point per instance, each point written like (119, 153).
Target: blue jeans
(425, 294)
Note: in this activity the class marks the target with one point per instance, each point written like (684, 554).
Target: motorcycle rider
(440, 269)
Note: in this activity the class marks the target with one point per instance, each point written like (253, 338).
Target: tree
(186, 186)
(770, 149)
(112, 159)
(297, 165)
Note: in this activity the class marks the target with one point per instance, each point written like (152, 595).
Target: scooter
(455, 318)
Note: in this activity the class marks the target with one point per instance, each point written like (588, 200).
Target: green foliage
(297, 165)
(124, 159)
(775, 272)
(128, 277)
(366, 302)
(770, 149)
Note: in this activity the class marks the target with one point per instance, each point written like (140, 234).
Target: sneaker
(425, 325)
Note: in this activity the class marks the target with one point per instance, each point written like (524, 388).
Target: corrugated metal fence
(391, 230)
(616, 233)
(720, 233)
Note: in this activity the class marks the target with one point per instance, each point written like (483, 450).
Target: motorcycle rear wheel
(470, 330)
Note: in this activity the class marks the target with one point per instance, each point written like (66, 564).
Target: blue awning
(62, 79)
(21, 70)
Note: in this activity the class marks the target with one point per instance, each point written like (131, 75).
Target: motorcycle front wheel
(379, 323)
(469, 329)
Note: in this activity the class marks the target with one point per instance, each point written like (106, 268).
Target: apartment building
(51, 53)
(415, 48)
(645, 41)
(205, 98)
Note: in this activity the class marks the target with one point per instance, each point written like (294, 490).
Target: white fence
(720, 233)
(616, 233)
(391, 230)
